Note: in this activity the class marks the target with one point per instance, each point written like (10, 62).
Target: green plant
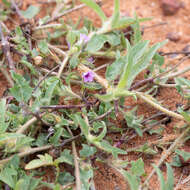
(45, 112)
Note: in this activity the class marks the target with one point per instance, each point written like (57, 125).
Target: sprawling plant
(43, 111)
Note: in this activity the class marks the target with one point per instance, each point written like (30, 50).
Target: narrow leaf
(161, 178)
(96, 8)
(132, 180)
(116, 14)
(170, 178)
(3, 123)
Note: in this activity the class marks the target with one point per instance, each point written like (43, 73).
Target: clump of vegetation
(60, 99)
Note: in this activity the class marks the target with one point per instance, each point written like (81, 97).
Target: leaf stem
(24, 127)
(77, 170)
(63, 64)
(168, 152)
(157, 106)
(42, 27)
(28, 152)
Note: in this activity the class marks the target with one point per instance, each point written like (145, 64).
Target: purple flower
(84, 38)
(90, 60)
(68, 44)
(88, 76)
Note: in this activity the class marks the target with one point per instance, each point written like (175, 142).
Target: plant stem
(157, 106)
(6, 74)
(57, 107)
(77, 170)
(102, 116)
(24, 127)
(62, 76)
(64, 13)
(28, 152)
(44, 78)
(173, 75)
(42, 27)
(58, 50)
(6, 50)
(63, 64)
(168, 152)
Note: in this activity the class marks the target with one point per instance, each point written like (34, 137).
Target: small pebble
(173, 36)
(186, 48)
(170, 7)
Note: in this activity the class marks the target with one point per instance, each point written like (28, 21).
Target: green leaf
(74, 60)
(55, 138)
(27, 182)
(3, 123)
(132, 57)
(71, 37)
(132, 180)
(44, 160)
(137, 167)
(101, 135)
(113, 38)
(7, 176)
(134, 122)
(87, 150)
(146, 149)
(161, 177)
(116, 14)
(31, 12)
(65, 178)
(182, 81)
(21, 89)
(96, 8)
(49, 92)
(85, 175)
(9, 137)
(105, 97)
(19, 184)
(137, 31)
(123, 23)
(29, 65)
(104, 145)
(84, 127)
(57, 187)
(43, 47)
(145, 61)
(185, 115)
(170, 178)
(169, 184)
(115, 69)
(183, 154)
(138, 59)
(96, 43)
(21, 142)
(176, 161)
(93, 86)
(65, 157)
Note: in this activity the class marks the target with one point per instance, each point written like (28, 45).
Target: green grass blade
(170, 178)
(116, 14)
(96, 8)
(161, 178)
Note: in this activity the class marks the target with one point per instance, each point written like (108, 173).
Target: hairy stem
(28, 152)
(168, 152)
(159, 107)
